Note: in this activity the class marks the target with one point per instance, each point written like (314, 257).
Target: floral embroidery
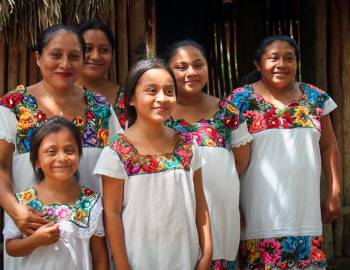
(222, 265)
(215, 132)
(77, 212)
(120, 109)
(94, 126)
(260, 115)
(283, 252)
(134, 163)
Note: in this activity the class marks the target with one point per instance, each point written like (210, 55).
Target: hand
(28, 220)
(331, 209)
(47, 234)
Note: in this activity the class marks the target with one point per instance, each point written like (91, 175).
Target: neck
(190, 100)
(150, 130)
(276, 91)
(52, 91)
(59, 187)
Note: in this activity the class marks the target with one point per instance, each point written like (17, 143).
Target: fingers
(35, 218)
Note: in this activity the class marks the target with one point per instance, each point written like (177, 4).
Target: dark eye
(179, 67)
(55, 55)
(88, 49)
(74, 57)
(105, 50)
(70, 150)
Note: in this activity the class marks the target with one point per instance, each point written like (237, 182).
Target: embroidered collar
(77, 212)
(135, 163)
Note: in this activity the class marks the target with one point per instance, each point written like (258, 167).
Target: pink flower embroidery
(270, 251)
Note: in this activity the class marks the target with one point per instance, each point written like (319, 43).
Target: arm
(242, 156)
(45, 235)
(99, 253)
(332, 170)
(113, 190)
(203, 223)
(24, 218)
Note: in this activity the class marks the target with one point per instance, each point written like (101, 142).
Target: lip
(93, 64)
(64, 75)
(161, 108)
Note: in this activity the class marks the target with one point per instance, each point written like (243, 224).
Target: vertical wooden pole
(3, 67)
(122, 40)
(12, 75)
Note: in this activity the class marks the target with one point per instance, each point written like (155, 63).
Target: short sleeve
(98, 216)
(328, 106)
(197, 160)
(240, 136)
(10, 229)
(114, 125)
(109, 164)
(8, 123)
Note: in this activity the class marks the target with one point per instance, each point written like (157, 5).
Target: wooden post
(3, 67)
(137, 29)
(12, 66)
(22, 63)
(122, 40)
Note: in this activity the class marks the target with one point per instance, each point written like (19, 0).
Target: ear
(37, 58)
(37, 164)
(132, 101)
(257, 65)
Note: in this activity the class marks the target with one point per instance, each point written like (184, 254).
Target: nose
(191, 70)
(94, 54)
(161, 97)
(65, 63)
(281, 62)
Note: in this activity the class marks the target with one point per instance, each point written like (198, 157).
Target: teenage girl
(156, 212)
(74, 237)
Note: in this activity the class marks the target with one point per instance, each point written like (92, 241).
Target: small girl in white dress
(156, 212)
(73, 238)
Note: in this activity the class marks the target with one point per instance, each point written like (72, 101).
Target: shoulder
(29, 197)
(98, 103)
(240, 93)
(13, 98)
(314, 94)
(88, 193)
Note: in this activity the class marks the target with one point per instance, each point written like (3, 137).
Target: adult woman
(280, 191)
(98, 59)
(59, 56)
(223, 142)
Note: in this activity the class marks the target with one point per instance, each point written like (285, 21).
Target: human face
(191, 70)
(154, 98)
(61, 60)
(278, 65)
(58, 156)
(98, 56)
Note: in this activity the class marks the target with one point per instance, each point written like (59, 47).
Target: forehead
(155, 76)
(63, 39)
(63, 136)
(279, 47)
(95, 36)
(187, 54)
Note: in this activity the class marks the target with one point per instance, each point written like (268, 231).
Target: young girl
(223, 141)
(74, 237)
(156, 212)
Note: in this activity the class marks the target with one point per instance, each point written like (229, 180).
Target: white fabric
(159, 212)
(221, 187)
(22, 171)
(70, 252)
(280, 191)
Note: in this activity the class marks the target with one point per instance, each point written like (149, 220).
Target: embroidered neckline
(77, 212)
(136, 163)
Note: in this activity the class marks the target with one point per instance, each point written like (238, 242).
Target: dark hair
(135, 73)
(255, 75)
(172, 48)
(97, 25)
(48, 33)
(53, 125)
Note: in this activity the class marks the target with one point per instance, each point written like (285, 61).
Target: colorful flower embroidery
(215, 132)
(283, 252)
(120, 109)
(77, 212)
(134, 163)
(260, 115)
(93, 126)
(222, 265)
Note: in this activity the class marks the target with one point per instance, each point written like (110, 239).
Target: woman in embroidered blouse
(74, 238)
(99, 42)
(223, 139)
(59, 56)
(156, 214)
(280, 191)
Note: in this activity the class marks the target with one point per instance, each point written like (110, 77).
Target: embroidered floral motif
(77, 212)
(94, 126)
(215, 132)
(120, 108)
(222, 265)
(283, 252)
(260, 115)
(134, 163)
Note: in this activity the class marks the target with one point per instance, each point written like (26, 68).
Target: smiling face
(155, 97)
(61, 60)
(98, 56)
(278, 65)
(191, 70)
(58, 156)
